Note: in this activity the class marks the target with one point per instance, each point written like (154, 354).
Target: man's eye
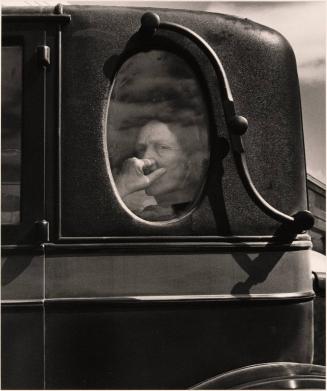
(163, 147)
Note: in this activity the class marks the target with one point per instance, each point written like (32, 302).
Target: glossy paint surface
(104, 274)
(168, 346)
(22, 347)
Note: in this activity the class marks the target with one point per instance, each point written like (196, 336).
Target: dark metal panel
(232, 275)
(168, 346)
(320, 330)
(22, 355)
(262, 72)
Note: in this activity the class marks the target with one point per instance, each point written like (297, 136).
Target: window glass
(157, 134)
(11, 125)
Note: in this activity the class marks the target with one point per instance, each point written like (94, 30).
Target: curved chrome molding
(237, 125)
(173, 298)
(277, 375)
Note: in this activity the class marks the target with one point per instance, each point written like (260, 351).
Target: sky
(303, 23)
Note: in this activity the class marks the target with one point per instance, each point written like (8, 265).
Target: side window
(23, 119)
(158, 135)
(11, 133)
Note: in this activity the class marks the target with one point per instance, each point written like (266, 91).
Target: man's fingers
(148, 166)
(147, 163)
(155, 175)
(142, 166)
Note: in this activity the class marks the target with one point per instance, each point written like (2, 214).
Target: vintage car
(154, 204)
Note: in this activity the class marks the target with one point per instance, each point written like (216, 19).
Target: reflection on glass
(11, 108)
(157, 135)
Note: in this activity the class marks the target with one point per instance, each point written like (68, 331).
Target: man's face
(156, 141)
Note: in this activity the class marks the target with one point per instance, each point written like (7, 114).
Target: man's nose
(149, 153)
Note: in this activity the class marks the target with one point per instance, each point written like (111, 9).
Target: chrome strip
(301, 241)
(22, 301)
(196, 246)
(18, 18)
(174, 298)
(181, 238)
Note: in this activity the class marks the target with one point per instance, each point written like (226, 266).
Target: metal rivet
(150, 21)
(239, 124)
(303, 220)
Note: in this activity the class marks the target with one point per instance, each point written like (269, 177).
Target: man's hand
(137, 174)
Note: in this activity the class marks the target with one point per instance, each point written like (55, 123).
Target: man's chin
(159, 189)
(150, 191)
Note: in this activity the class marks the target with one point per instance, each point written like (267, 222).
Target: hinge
(42, 231)
(43, 53)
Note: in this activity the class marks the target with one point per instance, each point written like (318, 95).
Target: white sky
(303, 23)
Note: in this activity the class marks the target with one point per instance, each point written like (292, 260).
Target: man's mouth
(148, 170)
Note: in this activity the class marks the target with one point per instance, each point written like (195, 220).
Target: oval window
(158, 135)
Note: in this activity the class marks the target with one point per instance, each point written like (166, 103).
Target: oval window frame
(170, 46)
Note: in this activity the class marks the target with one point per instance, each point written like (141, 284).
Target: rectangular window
(11, 133)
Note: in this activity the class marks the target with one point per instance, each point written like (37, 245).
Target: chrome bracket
(42, 231)
(43, 53)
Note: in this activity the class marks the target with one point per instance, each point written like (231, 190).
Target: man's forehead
(156, 131)
(156, 126)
